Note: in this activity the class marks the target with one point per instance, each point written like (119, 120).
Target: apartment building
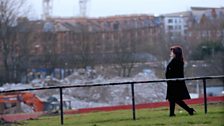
(176, 24)
(198, 23)
(61, 38)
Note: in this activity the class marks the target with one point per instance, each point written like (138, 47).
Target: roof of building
(203, 8)
(178, 14)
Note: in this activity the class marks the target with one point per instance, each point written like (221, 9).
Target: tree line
(23, 47)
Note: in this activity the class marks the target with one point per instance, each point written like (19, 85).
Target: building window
(170, 27)
(175, 20)
(176, 27)
(180, 21)
(179, 26)
(116, 26)
(170, 21)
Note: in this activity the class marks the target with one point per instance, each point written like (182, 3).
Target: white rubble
(115, 95)
(85, 97)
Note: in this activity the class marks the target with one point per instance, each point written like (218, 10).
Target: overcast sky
(102, 8)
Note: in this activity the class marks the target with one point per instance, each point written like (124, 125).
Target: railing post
(133, 100)
(205, 95)
(61, 106)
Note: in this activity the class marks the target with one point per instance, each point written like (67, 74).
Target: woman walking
(177, 90)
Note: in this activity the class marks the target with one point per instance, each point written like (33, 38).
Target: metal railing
(132, 83)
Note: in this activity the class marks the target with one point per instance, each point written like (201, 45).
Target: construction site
(79, 50)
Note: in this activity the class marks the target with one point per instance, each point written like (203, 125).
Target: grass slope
(144, 117)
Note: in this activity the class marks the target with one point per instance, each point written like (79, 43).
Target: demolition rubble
(86, 97)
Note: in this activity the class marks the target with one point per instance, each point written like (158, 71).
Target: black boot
(172, 108)
(191, 111)
(171, 115)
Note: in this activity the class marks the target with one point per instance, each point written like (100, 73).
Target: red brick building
(65, 39)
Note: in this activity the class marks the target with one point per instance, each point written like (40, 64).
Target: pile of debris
(113, 95)
(83, 97)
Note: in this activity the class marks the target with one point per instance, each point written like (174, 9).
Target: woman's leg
(172, 107)
(185, 106)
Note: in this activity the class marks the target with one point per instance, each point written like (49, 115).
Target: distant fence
(131, 83)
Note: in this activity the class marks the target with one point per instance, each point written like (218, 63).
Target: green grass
(144, 117)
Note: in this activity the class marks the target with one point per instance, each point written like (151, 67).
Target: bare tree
(207, 43)
(10, 10)
(49, 37)
(125, 50)
(85, 53)
(70, 53)
(83, 46)
(24, 36)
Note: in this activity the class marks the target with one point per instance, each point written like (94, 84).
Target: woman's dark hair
(177, 50)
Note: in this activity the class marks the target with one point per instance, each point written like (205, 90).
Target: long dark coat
(176, 90)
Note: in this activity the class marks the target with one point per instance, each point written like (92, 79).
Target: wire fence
(131, 83)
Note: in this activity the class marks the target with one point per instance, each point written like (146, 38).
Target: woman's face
(172, 55)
